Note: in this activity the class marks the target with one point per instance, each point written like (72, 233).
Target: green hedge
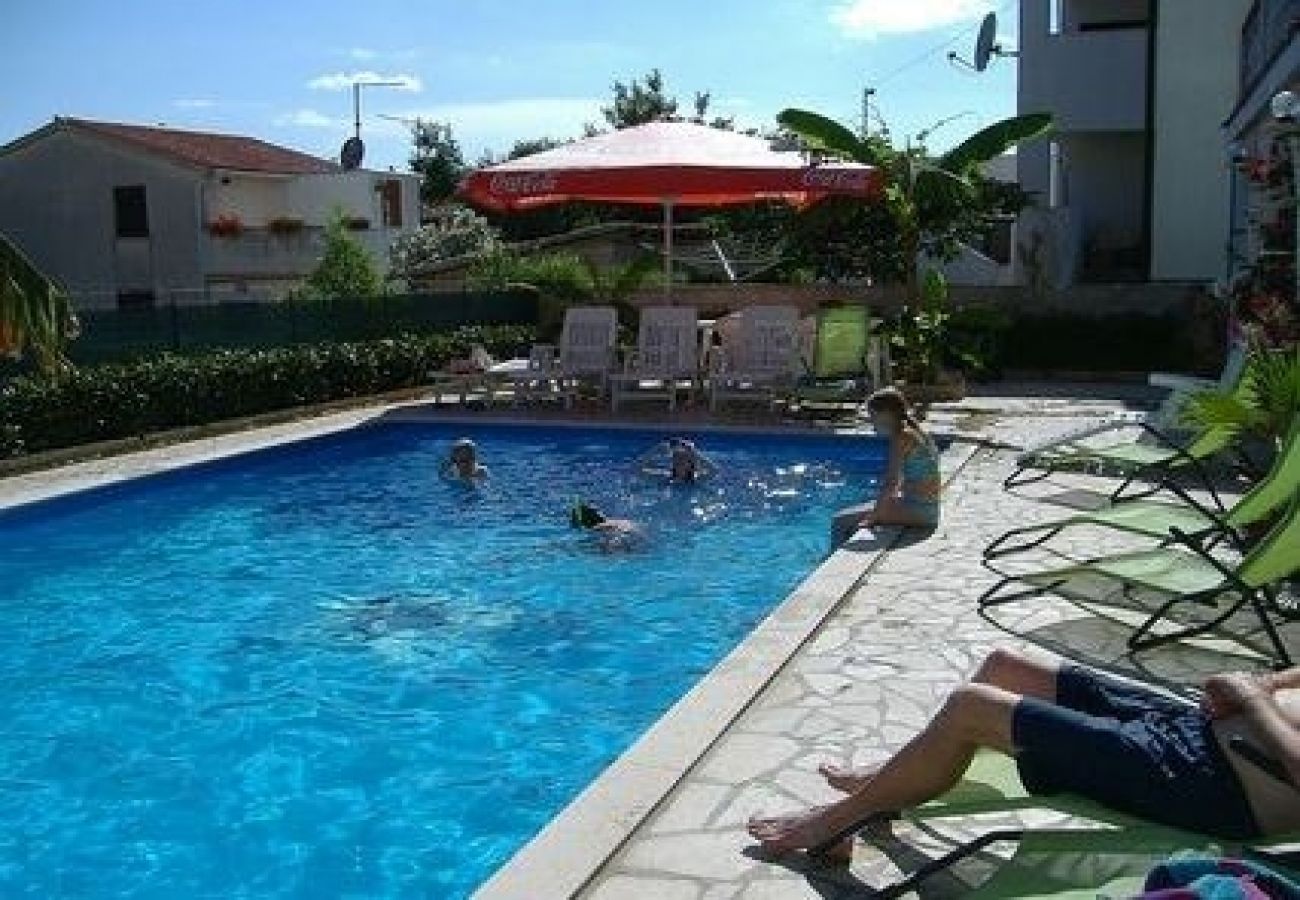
(1129, 342)
(126, 400)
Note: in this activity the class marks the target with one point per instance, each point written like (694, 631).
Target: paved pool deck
(876, 662)
(846, 669)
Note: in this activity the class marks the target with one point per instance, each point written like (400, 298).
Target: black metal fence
(110, 335)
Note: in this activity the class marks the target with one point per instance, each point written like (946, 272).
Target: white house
(132, 215)
(1134, 185)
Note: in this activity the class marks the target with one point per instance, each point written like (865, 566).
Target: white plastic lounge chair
(666, 357)
(536, 378)
(764, 358)
(587, 349)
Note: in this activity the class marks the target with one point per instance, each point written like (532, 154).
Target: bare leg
(1006, 669)
(976, 715)
(893, 511)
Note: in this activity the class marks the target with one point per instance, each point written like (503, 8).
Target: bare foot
(848, 779)
(798, 831)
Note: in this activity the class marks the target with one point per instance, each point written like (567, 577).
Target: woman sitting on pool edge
(686, 464)
(462, 463)
(614, 534)
(909, 495)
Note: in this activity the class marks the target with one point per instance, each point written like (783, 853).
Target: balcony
(1268, 29)
(1090, 80)
(262, 253)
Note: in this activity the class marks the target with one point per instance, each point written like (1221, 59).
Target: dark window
(390, 195)
(130, 211)
(135, 300)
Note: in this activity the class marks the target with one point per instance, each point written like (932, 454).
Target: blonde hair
(892, 400)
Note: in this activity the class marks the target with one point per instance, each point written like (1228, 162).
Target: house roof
(200, 149)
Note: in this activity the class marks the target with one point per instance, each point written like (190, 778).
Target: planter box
(949, 388)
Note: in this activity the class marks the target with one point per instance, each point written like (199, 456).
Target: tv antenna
(986, 47)
(354, 149)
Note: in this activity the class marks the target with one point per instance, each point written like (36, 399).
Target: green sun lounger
(1187, 574)
(1159, 519)
(1159, 458)
(838, 371)
(1100, 853)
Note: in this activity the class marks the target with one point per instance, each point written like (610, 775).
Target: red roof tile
(207, 150)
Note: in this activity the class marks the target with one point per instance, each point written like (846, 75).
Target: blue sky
(496, 70)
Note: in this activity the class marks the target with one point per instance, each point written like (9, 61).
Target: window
(390, 203)
(129, 301)
(130, 212)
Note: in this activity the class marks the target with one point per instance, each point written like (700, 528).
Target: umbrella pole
(668, 248)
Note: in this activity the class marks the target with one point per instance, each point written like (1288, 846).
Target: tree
(456, 231)
(346, 272)
(928, 204)
(437, 157)
(637, 102)
(36, 317)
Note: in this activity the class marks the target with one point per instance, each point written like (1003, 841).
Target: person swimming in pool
(462, 462)
(614, 534)
(909, 495)
(685, 463)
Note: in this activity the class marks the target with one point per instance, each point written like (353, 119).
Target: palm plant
(1263, 406)
(36, 317)
(924, 194)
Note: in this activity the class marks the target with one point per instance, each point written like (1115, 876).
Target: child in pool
(686, 464)
(462, 462)
(614, 534)
(909, 495)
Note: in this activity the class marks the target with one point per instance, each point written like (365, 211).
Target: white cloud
(342, 81)
(870, 18)
(310, 118)
(194, 103)
(521, 117)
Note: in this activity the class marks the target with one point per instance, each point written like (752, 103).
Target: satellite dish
(352, 153)
(986, 46)
(986, 43)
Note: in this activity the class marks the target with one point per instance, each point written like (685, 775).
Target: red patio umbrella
(665, 164)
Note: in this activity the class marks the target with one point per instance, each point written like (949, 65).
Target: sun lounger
(533, 379)
(1186, 574)
(666, 358)
(587, 350)
(1158, 519)
(763, 358)
(1166, 419)
(836, 361)
(1101, 853)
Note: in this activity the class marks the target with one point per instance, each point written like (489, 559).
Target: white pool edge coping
(568, 854)
(570, 851)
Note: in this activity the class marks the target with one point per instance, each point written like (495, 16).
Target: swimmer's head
(464, 454)
(682, 460)
(584, 515)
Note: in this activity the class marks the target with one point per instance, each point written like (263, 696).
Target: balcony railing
(1267, 31)
(258, 252)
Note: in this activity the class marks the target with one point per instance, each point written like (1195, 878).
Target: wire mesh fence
(174, 325)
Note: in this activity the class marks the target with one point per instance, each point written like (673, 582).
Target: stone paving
(874, 674)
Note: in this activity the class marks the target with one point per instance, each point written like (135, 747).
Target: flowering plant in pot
(285, 225)
(226, 225)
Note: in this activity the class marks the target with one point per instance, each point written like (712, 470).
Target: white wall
(1197, 44)
(56, 203)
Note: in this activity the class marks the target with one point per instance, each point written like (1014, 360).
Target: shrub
(127, 400)
(456, 233)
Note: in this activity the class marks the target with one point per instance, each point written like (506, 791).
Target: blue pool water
(322, 671)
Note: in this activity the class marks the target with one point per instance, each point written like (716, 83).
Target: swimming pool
(319, 670)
